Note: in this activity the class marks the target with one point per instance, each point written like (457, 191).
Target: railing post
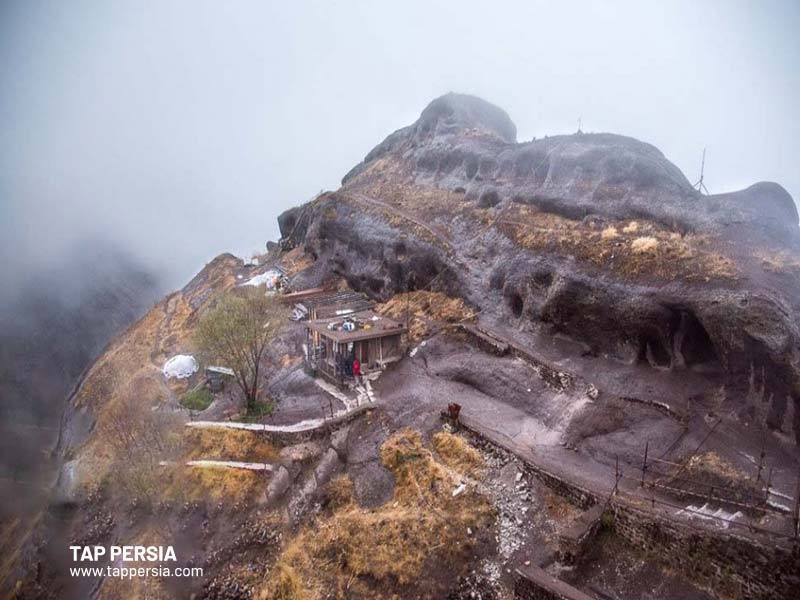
(760, 462)
(769, 485)
(796, 514)
(644, 463)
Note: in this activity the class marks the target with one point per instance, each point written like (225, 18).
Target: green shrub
(198, 399)
(258, 411)
(607, 521)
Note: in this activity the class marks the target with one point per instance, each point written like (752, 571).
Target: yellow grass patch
(129, 371)
(661, 253)
(423, 308)
(185, 484)
(779, 261)
(711, 462)
(644, 244)
(400, 549)
(340, 491)
(631, 227)
(609, 233)
(227, 444)
(457, 454)
(296, 260)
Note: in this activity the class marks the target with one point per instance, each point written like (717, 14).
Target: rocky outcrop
(597, 237)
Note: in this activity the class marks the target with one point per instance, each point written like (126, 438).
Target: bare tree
(138, 438)
(236, 332)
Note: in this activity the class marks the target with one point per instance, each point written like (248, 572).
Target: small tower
(699, 185)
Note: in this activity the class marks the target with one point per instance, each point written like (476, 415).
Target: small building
(333, 343)
(274, 278)
(320, 303)
(216, 377)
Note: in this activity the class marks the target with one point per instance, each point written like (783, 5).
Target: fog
(179, 130)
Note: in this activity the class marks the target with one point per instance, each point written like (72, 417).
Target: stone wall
(288, 438)
(574, 493)
(730, 564)
(532, 583)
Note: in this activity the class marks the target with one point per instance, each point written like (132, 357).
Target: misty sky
(181, 129)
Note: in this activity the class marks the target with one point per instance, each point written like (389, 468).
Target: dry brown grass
(340, 491)
(130, 368)
(295, 261)
(558, 507)
(287, 584)
(15, 534)
(425, 310)
(633, 250)
(631, 227)
(198, 484)
(709, 471)
(138, 588)
(779, 261)
(609, 233)
(711, 462)
(227, 444)
(606, 245)
(457, 454)
(644, 244)
(405, 548)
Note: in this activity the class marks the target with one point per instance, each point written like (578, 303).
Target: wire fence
(719, 497)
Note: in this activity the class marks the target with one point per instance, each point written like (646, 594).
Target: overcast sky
(181, 129)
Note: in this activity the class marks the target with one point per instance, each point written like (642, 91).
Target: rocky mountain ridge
(633, 310)
(597, 237)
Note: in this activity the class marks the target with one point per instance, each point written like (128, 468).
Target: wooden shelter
(216, 377)
(334, 342)
(320, 303)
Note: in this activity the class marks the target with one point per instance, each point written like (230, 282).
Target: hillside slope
(634, 313)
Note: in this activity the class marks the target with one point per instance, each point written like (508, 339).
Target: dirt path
(169, 306)
(437, 233)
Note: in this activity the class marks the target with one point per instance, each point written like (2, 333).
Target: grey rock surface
(593, 237)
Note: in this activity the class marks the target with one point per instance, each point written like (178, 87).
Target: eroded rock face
(593, 236)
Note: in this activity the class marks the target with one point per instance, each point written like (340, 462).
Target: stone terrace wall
(532, 583)
(730, 564)
(574, 493)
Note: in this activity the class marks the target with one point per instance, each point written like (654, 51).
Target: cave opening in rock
(375, 285)
(471, 167)
(653, 351)
(543, 279)
(695, 344)
(516, 304)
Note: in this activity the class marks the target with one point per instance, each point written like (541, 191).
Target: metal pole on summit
(700, 185)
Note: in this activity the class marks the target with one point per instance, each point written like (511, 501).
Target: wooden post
(769, 485)
(644, 464)
(760, 462)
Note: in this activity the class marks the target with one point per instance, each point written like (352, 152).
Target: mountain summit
(594, 237)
